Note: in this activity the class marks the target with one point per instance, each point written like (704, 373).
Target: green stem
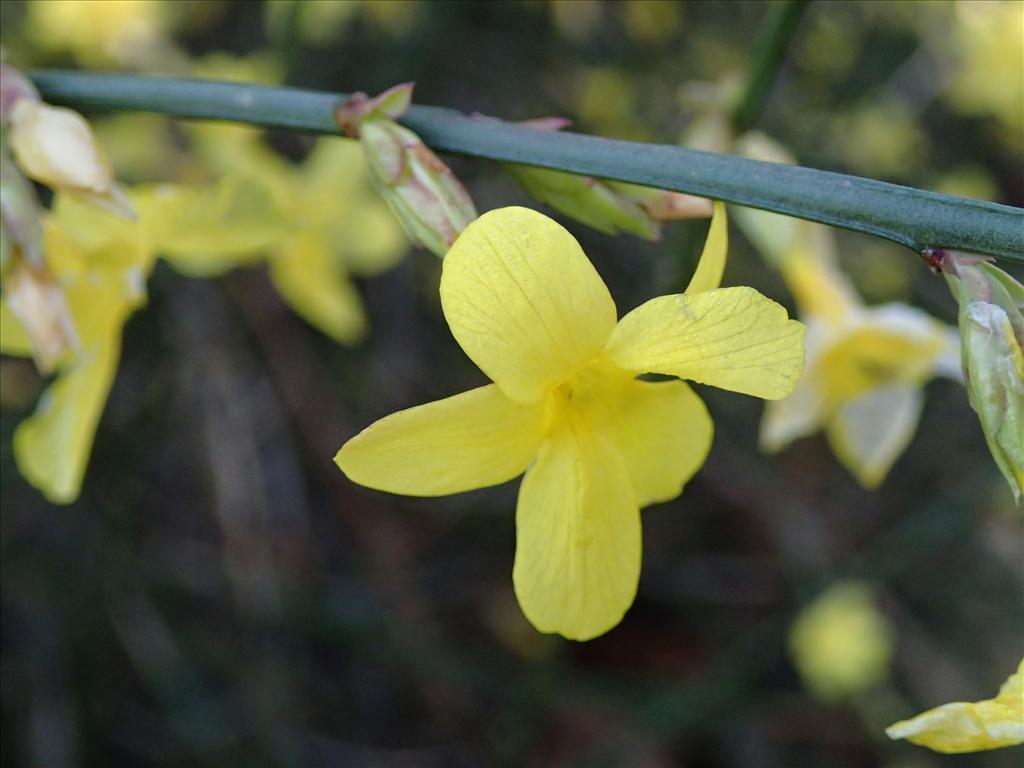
(769, 53)
(911, 217)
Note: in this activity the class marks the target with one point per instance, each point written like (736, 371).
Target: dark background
(220, 595)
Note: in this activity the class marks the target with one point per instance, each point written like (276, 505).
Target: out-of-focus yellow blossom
(316, 225)
(205, 230)
(970, 726)
(341, 229)
(652, 21)
(566, 407)
(578, 20)
(840, 643)
(101, 32)
(100, 264)
(866, 366)
(989, 78)
(608, 104)
(324, 21)
(992, 328)
(56, 146)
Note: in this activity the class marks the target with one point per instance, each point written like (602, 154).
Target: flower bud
(429, 201)
(607, 206)
(56, 147)
(14, 87)
(992, 336)
(20, 233)
(37, 301)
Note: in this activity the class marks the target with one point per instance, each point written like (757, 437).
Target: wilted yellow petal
(578, 537)
(524, 302)
(733, 338)
(708, 274)
(970, 726)
(869, 432)
(471, 440)
(312, 281)
(663, 432)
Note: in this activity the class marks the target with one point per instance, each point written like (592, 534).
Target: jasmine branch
(911, 217)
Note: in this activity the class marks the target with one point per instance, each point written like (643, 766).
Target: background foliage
(221, 595)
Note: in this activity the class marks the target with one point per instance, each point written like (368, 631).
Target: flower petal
(52, 446)
(733, 338)
(970, 726)
(804, 411)
(663, 432)
(869, 433)
(708, 274)
(471, 440)
(577, 537)
(524, 302)
(311, 279)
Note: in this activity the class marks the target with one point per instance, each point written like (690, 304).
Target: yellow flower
(970, 726)
(100, 264)
(866, 366)
(840, 643)
(566, 407)
(317, 224)
(100, 32)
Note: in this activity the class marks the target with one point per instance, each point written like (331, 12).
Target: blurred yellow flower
(100, 264)
(100, 32)
(596, 443)
(841, 644)
(866, 366)
(988, 40)
(970, 726)
(316, 224)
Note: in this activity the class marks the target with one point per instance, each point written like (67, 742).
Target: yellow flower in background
(566, 407)
(101, 32)
(989, 47)
(101, 264)
(841, 644)
(317, 225)
(866, 366)
(970, 726)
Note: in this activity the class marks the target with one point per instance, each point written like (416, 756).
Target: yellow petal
(524, 302)
(733, 338)
(471, 440)
(205, 231)
(970, 726)
(712, 260)
(804, 411)
(868, 433)
(52, 446)
(578, 537)
(312, 281)
(663, 432)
